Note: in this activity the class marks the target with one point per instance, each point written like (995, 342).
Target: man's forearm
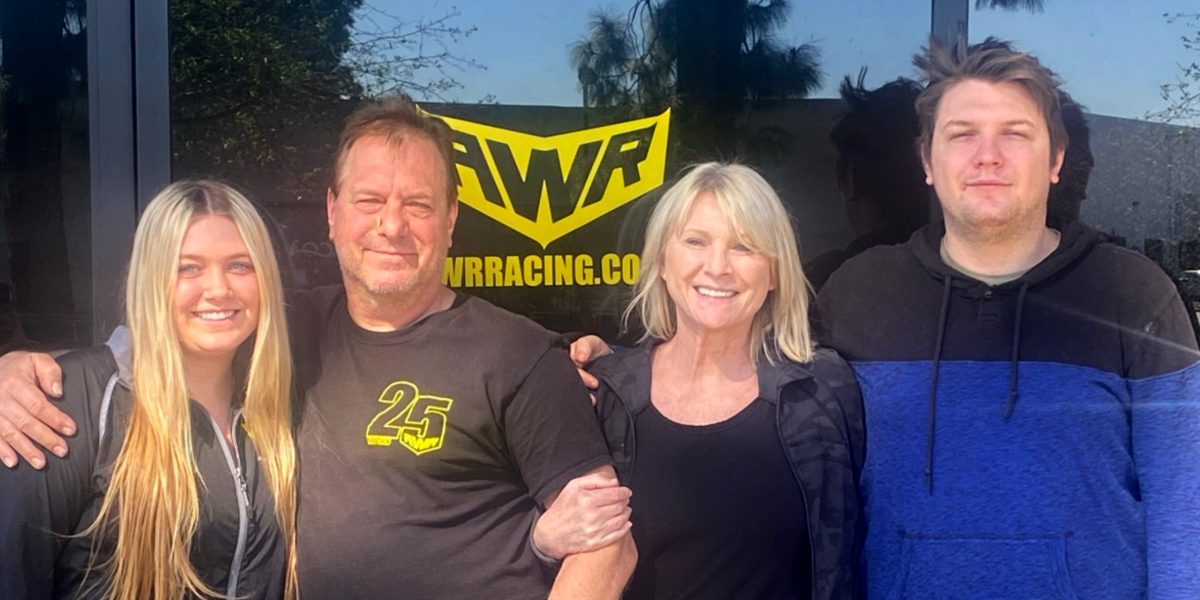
(598, 575)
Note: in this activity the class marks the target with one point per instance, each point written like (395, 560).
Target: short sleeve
(550, 427)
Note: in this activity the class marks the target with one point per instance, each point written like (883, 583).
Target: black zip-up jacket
(238, 549)
(819, 415)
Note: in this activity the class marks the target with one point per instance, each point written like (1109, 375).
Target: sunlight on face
(716, 282)
(990, 159)
(216, 301)
(391, 221)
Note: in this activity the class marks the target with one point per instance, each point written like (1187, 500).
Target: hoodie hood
(1076, 242)
(120, 343)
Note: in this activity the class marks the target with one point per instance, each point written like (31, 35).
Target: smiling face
(990, 159)
(391, 220)
(715, 281)
(216, 300)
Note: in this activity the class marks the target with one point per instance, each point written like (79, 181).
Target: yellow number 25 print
(415, 421)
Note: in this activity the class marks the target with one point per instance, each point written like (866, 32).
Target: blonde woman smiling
(741, 441)
(181, 480)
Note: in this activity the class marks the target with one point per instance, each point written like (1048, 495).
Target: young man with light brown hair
(1032, 394)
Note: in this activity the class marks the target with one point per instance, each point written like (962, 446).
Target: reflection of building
(1146, 188)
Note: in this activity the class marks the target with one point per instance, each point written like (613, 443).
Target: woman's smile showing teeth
(715, 293)
(715, 279)
(215, 315)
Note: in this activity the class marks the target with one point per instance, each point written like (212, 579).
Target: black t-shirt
(717, 512)
(422, 451)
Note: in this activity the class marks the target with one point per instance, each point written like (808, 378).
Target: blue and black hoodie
(1036, 439)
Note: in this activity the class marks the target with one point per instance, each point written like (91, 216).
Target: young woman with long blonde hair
(181, 482)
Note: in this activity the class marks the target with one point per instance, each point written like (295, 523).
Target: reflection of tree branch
(1183, 95)
(258, 85)
(209, 116)
(388, 54)
(437, 26)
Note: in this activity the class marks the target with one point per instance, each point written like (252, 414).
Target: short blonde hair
(780, 330)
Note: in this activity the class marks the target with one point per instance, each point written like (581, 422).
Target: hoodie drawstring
(933, 383)
(1015, 366)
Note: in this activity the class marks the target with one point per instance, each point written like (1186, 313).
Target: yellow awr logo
(547, 187)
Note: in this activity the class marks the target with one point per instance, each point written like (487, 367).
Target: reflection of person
(878, 170)
(1033, 394)
(403, 456)
(184, 487)
(1068, 194)
(740, 441)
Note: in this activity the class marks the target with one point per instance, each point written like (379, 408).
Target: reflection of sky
(524, 44)
(1112, 54)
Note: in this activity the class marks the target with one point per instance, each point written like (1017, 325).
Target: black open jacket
(819, 414)
(237, 550)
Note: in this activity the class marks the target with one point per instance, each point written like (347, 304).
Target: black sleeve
(38, 509)
(303, 322)
(855, 419)
(615, 427)
(820, 314)
(1162, 341)
(856, 431)
(550, 428)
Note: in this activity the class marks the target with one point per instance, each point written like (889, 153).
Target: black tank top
(717, 511)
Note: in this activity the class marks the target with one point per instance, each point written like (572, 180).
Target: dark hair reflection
(1071, 190)
(878, 170)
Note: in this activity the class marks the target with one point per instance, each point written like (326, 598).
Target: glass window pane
(561, 112)
(1125, 63)
(45, 226)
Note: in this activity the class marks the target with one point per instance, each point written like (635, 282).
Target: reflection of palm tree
(773, 71)
(603, 60)
(1030, 5)
(632, 63)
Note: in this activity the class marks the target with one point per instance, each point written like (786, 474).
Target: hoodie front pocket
(983, 567)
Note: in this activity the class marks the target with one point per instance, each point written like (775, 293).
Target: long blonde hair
(780, 329)
(152, 499)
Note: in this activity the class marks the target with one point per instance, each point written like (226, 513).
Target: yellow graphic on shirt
(416, 421)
